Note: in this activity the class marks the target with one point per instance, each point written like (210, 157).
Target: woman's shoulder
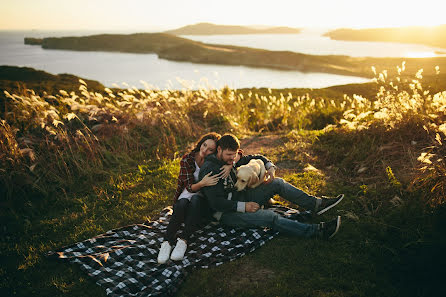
(188, 158)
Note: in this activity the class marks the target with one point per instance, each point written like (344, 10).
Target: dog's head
(246, 177)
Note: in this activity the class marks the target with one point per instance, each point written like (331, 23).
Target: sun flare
(102, 14)
(420, 55)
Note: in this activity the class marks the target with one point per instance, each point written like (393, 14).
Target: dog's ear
(253, 179)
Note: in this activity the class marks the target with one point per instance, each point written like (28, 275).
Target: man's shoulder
(210, 163)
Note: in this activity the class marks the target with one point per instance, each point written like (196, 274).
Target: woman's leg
(178, 217)
(194, 215)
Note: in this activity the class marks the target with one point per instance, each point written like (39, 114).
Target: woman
(188, 201)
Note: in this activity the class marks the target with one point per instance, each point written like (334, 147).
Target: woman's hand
(225, 170)
(210, 180)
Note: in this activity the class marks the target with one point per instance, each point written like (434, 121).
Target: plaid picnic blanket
(124, 261)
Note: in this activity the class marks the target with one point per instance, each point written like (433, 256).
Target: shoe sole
(338, 224)
(328, 207)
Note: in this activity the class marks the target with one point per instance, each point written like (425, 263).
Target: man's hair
(228, 141)
(212, 135)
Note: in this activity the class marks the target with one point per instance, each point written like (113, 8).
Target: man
(243, 209)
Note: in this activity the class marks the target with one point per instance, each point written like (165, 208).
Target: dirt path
(262, 144)
(289, 155)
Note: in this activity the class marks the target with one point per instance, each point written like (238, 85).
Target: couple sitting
(207, 185)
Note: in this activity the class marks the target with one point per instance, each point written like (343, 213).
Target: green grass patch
(124, 198)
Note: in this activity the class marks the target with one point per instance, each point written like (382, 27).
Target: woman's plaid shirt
(186, 177)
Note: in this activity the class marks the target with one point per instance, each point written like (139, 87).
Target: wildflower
(56, 123)
(425, 158)
(29, 152)
(380, 115)
(442, 128)
(70, 116)
(419, 73)
(64, 93)
(438, 138)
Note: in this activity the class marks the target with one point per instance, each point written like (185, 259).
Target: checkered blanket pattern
(124, 261)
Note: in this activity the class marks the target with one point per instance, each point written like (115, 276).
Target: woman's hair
(212, 135)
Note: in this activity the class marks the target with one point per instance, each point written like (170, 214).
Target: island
(212, 29)
(431, 36)
(174, 48)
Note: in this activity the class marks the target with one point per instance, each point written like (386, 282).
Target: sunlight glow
(420, 55)
(170, 14)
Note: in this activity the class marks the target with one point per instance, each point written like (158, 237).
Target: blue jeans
(278, 186)
(268, 218)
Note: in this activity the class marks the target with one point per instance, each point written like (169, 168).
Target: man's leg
(264, 192)
(270, 219)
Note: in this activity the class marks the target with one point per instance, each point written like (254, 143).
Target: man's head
(227, 147)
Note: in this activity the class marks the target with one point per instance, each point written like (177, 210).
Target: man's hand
(270, 175)
(251, 206)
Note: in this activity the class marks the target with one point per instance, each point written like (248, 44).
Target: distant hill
(212, 29)
(13, 78)
(432, 36)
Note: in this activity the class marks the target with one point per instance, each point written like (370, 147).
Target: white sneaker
(164, 252)
(179, 250)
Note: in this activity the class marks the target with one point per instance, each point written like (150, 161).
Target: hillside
(75, 165)
(175, 48)
(39, 80)
(212, 29)
(432, 36)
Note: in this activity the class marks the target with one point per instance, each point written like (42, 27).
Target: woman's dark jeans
(191, 213)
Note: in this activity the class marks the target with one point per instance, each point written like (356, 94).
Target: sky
(158, 15)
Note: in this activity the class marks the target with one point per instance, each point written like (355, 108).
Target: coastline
(173, 48)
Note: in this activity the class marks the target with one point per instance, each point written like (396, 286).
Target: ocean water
(140, 70)
(311, 41)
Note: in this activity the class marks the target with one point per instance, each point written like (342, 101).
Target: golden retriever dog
(250, 175)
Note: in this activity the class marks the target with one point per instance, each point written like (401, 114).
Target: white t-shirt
(186, 194)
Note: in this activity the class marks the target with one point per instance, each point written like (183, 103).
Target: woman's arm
(186, 176)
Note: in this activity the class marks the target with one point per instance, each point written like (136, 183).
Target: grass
(125, 197)
(87, 162)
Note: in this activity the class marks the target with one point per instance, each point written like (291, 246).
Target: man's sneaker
(164, 252)
(330, 228)
(179, 250)
(328, 203)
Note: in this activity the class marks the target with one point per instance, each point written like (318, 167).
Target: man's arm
(245, 160)
(217, 197)
(269, 166)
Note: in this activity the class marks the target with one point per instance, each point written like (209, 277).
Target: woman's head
(207, 144)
